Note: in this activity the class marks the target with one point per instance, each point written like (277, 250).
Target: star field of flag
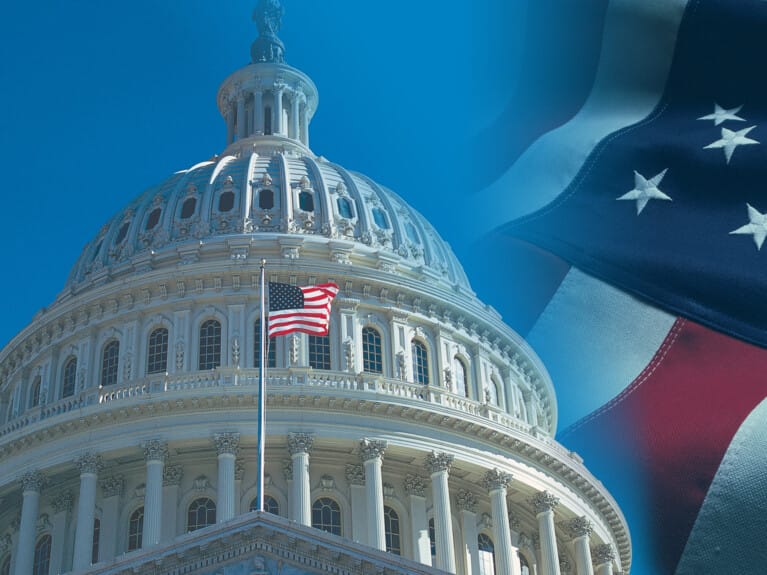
(674, 208)
(305, 309)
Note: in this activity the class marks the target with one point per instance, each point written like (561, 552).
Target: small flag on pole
(305, 309)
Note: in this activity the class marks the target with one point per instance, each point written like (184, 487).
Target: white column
(603, 555)
(111, 491)
(241, 126)
(171, 479)
(229, 125)
(287, 471)
(355, 476)
(371, 452)
(300, 446)
(31, 484)
(543, 504)
(89, 465)
(580, 529)
(294, 112)
(258, 111)
(227, 446)
(156, 452)
(62, 508)
(496, 482)
(278, 90)
(438, 465)
(305, 124)
(466, 501)
(415, 487)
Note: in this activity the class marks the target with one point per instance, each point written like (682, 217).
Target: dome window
(460, 377)
(319, 352)
(157, 351)
(379, 217)
(153, 219)
(187, 210)
(372, 356)
(42, 560)
(486, 550)
(109, 359)
(345, 208)
(122, 233)
(420, 362)
(266, 199)
(411, 233)
(210, 345)
(95, 544)
(202, 513)
(226, 202)
(392, 531)
(326, 515)
(36, 391)
(271, 350)
(70, 377)
(270, 505)
(136, 529)
(306, 201)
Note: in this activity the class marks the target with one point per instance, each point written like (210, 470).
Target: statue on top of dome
(268, 18)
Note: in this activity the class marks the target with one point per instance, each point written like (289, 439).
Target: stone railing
(298, 380)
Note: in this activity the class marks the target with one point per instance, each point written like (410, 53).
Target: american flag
(305, 309)
(639, 226)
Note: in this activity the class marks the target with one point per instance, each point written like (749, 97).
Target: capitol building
(416, 438)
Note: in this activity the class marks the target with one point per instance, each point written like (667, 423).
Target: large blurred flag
(305, 309)
(644, 217)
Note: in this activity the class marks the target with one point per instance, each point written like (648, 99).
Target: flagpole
(261, 394)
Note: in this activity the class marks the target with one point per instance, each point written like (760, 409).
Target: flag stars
(645, 190)
(722, 115)
(731, 140)
(756, 226)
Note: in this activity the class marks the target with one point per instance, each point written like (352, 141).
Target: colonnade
(248, 114)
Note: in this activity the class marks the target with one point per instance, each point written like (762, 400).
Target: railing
(285, 380)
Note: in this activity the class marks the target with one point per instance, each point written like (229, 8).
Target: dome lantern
(267, 100)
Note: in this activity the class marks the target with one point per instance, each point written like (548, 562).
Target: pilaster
(300, 446)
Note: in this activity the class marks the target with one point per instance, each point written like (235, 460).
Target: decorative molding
(287, 470)
(112, 486)
(155, 450)
(300, 443)
(33, 481)
(172, 475)
(466, 500)
(543, 501)
(62, 502)
(327, 483)
(415, 485)
(201, 483)
(89, 463)
(436, 462)
(228, 442)
(372, 449)
(239, 470)
(579, 526)
(603, 553)
(355, 474)
(496, 479)
(388, 490)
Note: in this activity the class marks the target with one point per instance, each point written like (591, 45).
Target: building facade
(417, 437)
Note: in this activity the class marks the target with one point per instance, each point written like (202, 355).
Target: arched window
(372, 356)
(270, 505)
(153, 219)
(202, 512)
(392, 531)
(70, 377)
(486, 555)
(420, 362)
(42, 556)
(432, 541)
(122, 233)
(379, 217)
(210, 345)
(492, 392)
(136, 529)
(271, 349)
(5, 568)
(412, 235)
(326, 515)
(319, 351)
(266, 199)
(460, 377)
(157, 351)
(109, 358)
(226, 202)
(36, 385)
(345, 208)
(306, 201)
(96, 536)
(188, 207)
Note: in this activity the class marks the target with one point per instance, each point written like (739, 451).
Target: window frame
(110, 365)
(208, 511)
(374, 364)
(419, 354)
(335, 513)
(209, 358)
(152, 363)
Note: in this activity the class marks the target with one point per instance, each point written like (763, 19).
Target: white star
(756, 226)
(722, 115)
(731, 140)
(645, 190)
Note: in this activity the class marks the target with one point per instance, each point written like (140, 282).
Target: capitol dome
(417, 437)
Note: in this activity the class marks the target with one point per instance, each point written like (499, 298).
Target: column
(278, 90)
(171, 479)
(227, 446)
(294, 111)
(438, 465)
(287, 471)
(241, 126)
(543, 504)
(580, 529)
(466, 502)
(155, 452)
(239, 473)
(496, 482)
(89, 465)
(355, 476)
(371, 453)
(62, 508)
(229, 125)
(111, 491)
(305, 124)
(415, 488)
(258, 111)
(300, 446)
(32, 483)
(603, 555)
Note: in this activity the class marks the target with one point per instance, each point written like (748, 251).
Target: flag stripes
(304, 309)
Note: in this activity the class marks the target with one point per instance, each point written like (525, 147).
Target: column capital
(155, 450)
(466, 500)
(172, 474)
(603, 553)
(227, 443)
(355, 474)
(544, 501)
(415, 485)
(62, 502)
(436, 462)
(89, 463)
(33, 481)
(112, 486)
(579, 527)
(300, 443)
(496, 479)
(372, 449)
